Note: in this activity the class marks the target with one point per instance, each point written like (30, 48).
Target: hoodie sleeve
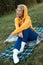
(16, 23)
(25, 25)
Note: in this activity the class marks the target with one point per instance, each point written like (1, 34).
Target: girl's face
(19, 12)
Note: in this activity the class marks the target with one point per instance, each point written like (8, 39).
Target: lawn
(7, 26)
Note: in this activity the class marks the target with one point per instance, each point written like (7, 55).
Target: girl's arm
(24, 26)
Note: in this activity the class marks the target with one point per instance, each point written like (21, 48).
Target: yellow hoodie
(24, 23)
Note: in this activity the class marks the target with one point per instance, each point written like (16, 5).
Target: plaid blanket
(8, 53)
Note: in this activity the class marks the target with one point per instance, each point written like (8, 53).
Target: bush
(10, 5)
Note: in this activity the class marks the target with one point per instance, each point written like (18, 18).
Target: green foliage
(6, 6)
(10, 5)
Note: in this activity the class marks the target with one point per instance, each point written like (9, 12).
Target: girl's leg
(28, 35)
(17, 46)
(24, 39)
(32, 35)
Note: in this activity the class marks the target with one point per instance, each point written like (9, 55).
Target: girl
(24, 30)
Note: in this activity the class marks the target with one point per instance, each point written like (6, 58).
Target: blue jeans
(28, 35)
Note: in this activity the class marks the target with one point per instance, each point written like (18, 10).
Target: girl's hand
(20, 34)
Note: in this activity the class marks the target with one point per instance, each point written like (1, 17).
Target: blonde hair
(21, 6)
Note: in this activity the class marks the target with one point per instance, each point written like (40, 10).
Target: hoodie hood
(25, 11)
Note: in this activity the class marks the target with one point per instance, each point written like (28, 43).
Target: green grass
(7, 26)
